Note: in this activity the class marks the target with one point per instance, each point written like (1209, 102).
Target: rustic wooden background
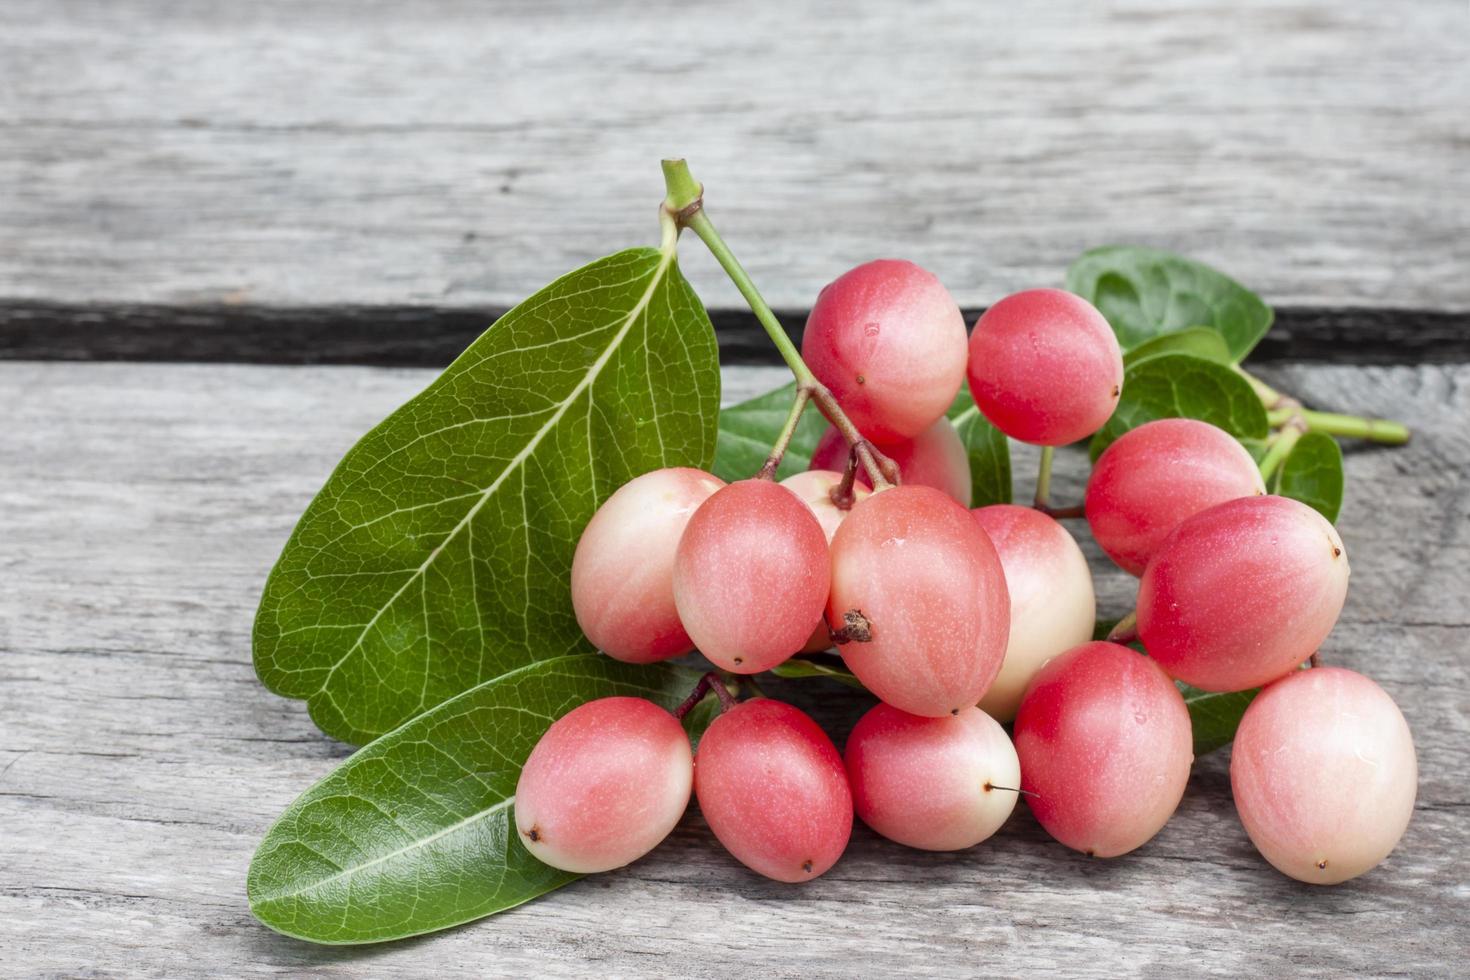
(263, 186)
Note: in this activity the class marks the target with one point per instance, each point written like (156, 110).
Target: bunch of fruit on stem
(960, 621)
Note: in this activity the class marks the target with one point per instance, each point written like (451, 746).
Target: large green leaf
(748, 429)
(1313, 474)
(990, 453)
(437, 555)
(1184, 386)
(416, 831)
(1145, 292)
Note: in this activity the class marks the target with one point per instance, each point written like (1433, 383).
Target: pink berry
(751, 576)
(1324, 774)
(1045, 367)
(915, 566)
(1052, 604)
(1240, 594)
(604, 785)
(889, 341)
(934, 458)
(940, 784)
(1155, 476)
(1105, 745)
(772, 788)
(623, 570)
(815, 488)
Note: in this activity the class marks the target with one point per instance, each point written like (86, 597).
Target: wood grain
(141, 761)
(304, 153)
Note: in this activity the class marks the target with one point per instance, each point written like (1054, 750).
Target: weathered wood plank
(140, 760)
(452, 153)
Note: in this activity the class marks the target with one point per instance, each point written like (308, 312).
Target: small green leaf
(438, 553)
(801, 667)
(416, 831)
(989, 452)
(1199, 341)
(1313, 474)
(1145, 292)
(1214, 717)
(1184, 386)
(748, 429)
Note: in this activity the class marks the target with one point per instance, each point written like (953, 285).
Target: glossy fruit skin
(623, 569)
(604, 785)
(1045, 367)
(1242, 593)
(929, 581)
(888, 340)
(1105, 745)
(751, 576)
(1053, 607)
(772, 788)
(814, 487)
(930, 782)
(1156, 476)
(1324, 774)
(934, 458)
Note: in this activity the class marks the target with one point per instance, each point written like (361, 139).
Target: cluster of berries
(959, 621)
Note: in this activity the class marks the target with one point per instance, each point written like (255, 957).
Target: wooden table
(294, 191)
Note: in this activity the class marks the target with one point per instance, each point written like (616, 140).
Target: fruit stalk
(685, 204)
(1281, 408)
(1285, 441)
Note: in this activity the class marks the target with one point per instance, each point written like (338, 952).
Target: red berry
(917, 568)
(1155, 476)
(932, 782)
(751, 576)
(772, 788)
(1105, 745)
(889, 341)
(1324, 774)
(604, 785)
(1240, 594)
(623, 570)
(1045, 367)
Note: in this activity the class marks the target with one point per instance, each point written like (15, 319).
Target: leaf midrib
(399, 852)
(665, 260)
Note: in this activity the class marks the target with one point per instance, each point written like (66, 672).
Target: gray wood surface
(456, 153)
(140, 760)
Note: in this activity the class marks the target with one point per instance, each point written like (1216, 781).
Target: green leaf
(1184, 386)
(1145, 292)
(1199, 341)
(1214, 717)
(1313, 474)
(416, 831)
(990, 453)
(798, 668)
(748, 429)
(437, 554)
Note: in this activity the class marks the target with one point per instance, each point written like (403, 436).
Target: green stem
(685, 201)
(1043, 478)
(1281, 448)
(1282, 408)
(1382, 431)
(783, 438)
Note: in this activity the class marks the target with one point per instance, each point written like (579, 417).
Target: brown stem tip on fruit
(856, 628)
